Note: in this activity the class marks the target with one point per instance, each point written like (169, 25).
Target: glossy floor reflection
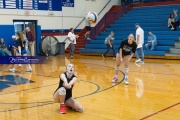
(153, 93)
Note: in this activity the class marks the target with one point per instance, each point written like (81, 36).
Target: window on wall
(11, 4)
(27, 4)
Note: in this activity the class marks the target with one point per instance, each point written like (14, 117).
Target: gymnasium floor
(153, 93)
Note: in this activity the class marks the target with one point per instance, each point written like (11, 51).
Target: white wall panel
(8, 12)
(65, 19)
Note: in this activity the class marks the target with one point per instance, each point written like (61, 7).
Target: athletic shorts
(88, 28)
(66, 99)
(123, 54)
(23, 52)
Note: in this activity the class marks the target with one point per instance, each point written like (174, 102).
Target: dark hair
(70, 29)
(170, 15)
(150, 30)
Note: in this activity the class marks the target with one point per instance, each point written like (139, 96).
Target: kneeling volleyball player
(63, 93)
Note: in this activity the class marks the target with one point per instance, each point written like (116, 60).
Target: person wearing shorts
(126, 51)
(63, 94)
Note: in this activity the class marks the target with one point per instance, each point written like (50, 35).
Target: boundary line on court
(49, 102)
(155, 113)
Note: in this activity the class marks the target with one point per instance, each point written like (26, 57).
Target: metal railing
(108, 19)
(85, 17)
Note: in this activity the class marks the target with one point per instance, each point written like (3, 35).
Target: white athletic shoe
(137, 64)
(71, 57)
(19, 65)
(126, 81)
(138, 60)
(28, 69)
(103, 57)
(114, 79)
(88, 38)
(12, 70)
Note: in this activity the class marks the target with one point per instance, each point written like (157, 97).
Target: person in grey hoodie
(109, 41)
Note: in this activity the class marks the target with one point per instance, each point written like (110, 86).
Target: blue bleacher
(153, 18)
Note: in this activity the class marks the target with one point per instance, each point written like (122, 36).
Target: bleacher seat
(153, 18)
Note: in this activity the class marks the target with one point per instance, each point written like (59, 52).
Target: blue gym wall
(8, 30)
(38, 39)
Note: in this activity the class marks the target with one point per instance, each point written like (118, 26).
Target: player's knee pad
(126, 70)
(62, 91)
(116, 67)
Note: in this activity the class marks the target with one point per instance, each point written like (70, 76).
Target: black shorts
(123, 55)
(88, 28)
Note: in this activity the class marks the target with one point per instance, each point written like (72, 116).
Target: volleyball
(92, 17)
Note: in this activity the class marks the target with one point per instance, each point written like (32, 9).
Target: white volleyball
(92, 17)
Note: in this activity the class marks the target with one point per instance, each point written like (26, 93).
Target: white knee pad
(80, 110)
(62, 91)
(126, 70)
(116, 67)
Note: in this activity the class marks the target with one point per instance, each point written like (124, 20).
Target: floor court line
(52, 102)
(160, 111)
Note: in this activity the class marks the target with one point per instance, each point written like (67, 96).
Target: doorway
(20, 26)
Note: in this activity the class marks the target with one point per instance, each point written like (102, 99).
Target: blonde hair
(21, 36)
(111, 32)
(131, 34)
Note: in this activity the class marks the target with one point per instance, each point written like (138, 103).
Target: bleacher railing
(85, 17)
(108, 19)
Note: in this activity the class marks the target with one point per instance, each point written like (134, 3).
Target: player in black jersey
(126, 51)
(63, 93)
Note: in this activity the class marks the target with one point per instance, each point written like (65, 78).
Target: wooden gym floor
(153, 93)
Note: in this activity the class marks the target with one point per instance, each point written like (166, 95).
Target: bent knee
(62, 91)
(118, 64)
(81, 109)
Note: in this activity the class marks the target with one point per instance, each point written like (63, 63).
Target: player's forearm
(73, 81)
(120, 52)
(63, 78)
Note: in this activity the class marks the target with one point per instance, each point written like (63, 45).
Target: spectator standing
(109, 41)
(88, 29)
(31, 41)
(72, 40)
(139, 42)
